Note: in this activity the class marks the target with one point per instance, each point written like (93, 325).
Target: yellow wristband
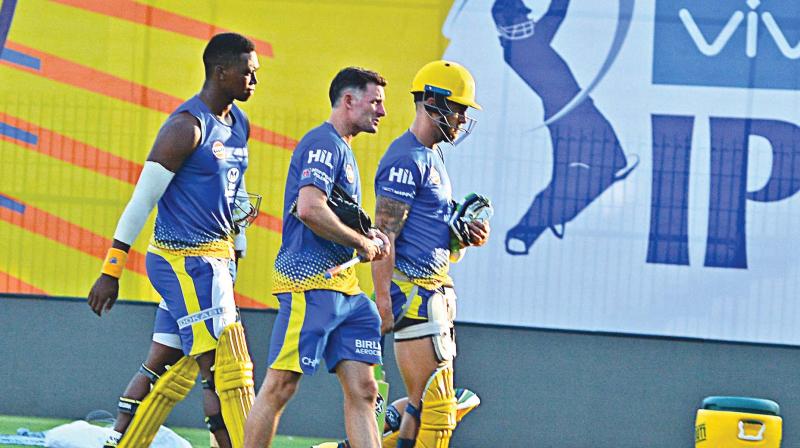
(114, 262)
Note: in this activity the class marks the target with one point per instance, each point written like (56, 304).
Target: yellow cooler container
(733, 422)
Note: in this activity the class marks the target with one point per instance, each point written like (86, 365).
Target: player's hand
(375, 246)
(385, 246)
(387, 317)
(103, 294)
(478, 232)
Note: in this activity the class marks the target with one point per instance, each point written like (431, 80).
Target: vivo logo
(727, 43)
(714, 47)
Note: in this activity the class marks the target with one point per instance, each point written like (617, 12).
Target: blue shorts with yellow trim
(323, 324)
(409, 300)
(197, 299)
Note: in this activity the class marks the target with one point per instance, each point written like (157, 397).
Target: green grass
(197, 437)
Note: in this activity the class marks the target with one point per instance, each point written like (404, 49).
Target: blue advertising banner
(643, 158)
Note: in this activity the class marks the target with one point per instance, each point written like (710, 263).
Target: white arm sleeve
(151, 186)
(240, 243)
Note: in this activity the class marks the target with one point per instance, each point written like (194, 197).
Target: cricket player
(318, 317)
(413, 290)
(195, 173)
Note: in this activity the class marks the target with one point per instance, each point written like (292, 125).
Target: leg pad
(438, 419)
(233, 378)
(171, 388)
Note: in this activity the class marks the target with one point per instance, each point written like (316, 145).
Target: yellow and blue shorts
(323, 324)
(410, 301)
(197, 300)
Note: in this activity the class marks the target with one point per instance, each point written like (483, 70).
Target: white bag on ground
(81, 434)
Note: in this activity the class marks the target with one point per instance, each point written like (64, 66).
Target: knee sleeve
(171, 388)
(233, 378)
(438, 417)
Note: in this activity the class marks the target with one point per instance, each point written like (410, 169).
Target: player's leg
(278, 388)
(172, 387)
(149, 372)
(198, 293)
(360, 391)
(438, 417)
(233, 380)
(218, 342)
(424, 341)
(211, 401)
(298, 320)
(353, 348)
(416, 361)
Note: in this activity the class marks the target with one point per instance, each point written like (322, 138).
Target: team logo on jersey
(305, 174)
(349, 173)
(434, 177)
(218, 149)
(233, 175)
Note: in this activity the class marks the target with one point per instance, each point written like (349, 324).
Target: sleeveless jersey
(194, 214)
(321, 159)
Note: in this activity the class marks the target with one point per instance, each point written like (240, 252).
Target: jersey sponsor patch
(350, 173)
(218, 149)
(398, 192)
(401, 176)
(321, 175)
(320, 156)
(305, 174)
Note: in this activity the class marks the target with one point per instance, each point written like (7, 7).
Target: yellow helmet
(450, 77)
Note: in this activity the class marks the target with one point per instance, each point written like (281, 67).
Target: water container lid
(742, 404)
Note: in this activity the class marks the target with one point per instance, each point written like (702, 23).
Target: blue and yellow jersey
(411, 173)
(321, 159)
(194, 214)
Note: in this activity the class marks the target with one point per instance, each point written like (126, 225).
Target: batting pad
(438, 419)
(390, 439)
(171, 388)
(233, 377)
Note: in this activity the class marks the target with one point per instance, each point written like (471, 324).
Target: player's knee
(279, 391)
(365, 389)
(206, 363)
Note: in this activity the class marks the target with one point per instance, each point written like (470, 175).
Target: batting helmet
(448, 78)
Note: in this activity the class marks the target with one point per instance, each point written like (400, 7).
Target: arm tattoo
(390, 215)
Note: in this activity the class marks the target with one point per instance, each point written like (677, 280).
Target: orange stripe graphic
(80, 154)
(157, 18)
(54, 228)
(75, 152)
(13, 285)
(68, 72)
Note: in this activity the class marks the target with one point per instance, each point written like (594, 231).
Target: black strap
(393, 418)
(413, 412)
(128, 405)
(215, 422)
(150, 374)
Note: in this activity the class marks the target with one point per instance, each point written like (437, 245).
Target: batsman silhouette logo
(583, 168)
